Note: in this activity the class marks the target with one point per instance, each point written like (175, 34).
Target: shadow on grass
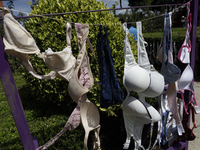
(44, 108)
(44, 135)
(10, 145)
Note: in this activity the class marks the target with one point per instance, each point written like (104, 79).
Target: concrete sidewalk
(195, 145)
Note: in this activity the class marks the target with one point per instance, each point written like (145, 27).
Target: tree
(156, 24)
(10, 5)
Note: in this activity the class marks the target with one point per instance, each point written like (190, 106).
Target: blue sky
(23, 6)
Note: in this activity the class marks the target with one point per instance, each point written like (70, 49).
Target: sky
(22, 5)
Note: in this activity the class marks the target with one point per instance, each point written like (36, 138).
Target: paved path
(195, 145)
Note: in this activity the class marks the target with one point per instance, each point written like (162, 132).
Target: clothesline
(45, 15)
(174, 10)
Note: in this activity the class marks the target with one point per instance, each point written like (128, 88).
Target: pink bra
(184, 52)
(186, 82)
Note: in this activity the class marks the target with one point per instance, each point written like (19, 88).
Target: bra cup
(75, 89)
(136, 79)
(134, 107)
(21, 56)
(186, 78)
(19, 41)
(156, 86)
(184, 55)
(58, 60)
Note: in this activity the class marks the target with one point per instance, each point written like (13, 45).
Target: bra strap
(78, 33)
(27, 64)
(128, 55)
(70, 125)
(68, 34)
(143, 59)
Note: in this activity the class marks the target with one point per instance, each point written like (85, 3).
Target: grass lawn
(43, 127)
(9, 137)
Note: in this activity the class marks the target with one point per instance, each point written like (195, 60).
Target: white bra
(141, 77)
(135, 77)
(157, 83)
(137, 112)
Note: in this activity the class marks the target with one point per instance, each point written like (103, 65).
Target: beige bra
(19, 43)
(75, 89)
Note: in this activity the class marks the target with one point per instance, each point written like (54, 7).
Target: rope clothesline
(56, 14)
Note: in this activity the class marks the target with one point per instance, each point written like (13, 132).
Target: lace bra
(111, 92)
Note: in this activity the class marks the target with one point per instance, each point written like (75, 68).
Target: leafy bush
(47, 97)
(52, 33)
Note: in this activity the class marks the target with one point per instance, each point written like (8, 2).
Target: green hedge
(178, 35)
(50, 98)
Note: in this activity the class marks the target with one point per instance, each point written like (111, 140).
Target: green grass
(9, 137)
(43, 127)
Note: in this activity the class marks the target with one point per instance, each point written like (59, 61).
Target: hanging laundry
(188, 135)
(170, 71)
(184, 52)
(186, 82)
(156, 85)
(137, 112)
(90, 117)
(19, 43)
(171, 122)
(111, 92)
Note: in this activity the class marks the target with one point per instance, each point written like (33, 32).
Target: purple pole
(194, 10)
(14, 101)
